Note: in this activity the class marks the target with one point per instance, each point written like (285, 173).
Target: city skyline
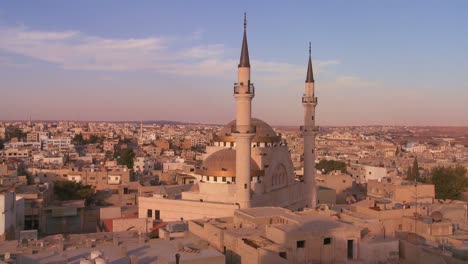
(173, 62)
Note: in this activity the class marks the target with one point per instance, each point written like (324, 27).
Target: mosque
(249, 165)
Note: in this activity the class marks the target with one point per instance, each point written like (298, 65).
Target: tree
(78, 140)
(397, 152)
(449, 182)
(331, 165)
(71, 190)
(415, 173)
(126, 157)
(409, 173)
(93, 139)
(14, 132)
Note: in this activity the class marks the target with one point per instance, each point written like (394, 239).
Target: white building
(143, 164)
(12, 216)
(363, 173)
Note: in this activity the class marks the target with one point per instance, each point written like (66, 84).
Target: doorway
(350, 249)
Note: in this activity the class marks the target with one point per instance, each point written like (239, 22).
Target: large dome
(264, 132)
(223, 163)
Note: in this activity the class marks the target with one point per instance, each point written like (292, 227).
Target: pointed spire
(244, 58)
(310, 72)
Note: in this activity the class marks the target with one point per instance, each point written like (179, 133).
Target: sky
(375, 62)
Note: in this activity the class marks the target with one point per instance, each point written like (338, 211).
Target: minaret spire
(310, 72)
(244, 58)
(243, 131)
(309, 131)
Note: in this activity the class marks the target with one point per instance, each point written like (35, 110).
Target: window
(300, 244)
(283, 255)
(327, 241)
(245, 186)
(149, 214)
(157, 214)
(224, 179)
(215, 179)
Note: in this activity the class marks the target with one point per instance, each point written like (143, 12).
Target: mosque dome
(264, 132)
(223, 163)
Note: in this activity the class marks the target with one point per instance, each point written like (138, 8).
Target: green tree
(409, 174)
(14, 132)
(71, 190)
(93, 139)
(415, 173)
(331, 165)
(78, 140)
(449, 182)
(126, 157)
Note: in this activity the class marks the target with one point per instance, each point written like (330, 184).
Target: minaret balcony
(244, 89)
(309, 100)
(309, 128)
(244, 129)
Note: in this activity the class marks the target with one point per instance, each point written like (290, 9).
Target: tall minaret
(243, 131)
(140, 134)
(309, 101)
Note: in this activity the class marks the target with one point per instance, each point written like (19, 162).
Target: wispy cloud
(78, 51)
(344, 82)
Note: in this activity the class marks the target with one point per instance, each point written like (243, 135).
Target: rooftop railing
(309, 100)
(244, 89)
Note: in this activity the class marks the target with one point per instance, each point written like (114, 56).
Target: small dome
(223, 163)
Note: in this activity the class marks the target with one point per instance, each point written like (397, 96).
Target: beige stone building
(277, 235)
(401, 191)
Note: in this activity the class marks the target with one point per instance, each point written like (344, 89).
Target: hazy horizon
(376, 63)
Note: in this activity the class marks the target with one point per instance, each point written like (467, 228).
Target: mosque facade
(248, 165)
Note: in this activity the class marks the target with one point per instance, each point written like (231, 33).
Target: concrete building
(401, 191)
(363, 173)
(12, 216)
(277, 235)
(341, 183)
(143, 164)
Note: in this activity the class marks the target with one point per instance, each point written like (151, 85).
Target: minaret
(309, 101)
(243, 131)
(140, 134)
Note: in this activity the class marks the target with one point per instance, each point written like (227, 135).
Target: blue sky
(375, 62)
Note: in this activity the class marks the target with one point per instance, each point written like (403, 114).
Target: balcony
(309, 100)
(244, 129)
(309, 129)
(242, 89)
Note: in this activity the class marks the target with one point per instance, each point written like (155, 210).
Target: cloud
(7, 62)
(74, 50)
(344, 82)
(207, 51)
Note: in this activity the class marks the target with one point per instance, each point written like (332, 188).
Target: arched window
(279, 175)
